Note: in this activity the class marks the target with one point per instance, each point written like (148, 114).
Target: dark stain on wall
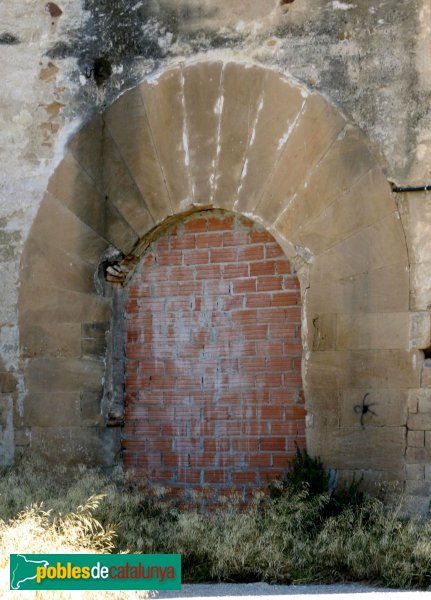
(121, 30)
(362, 57)
(53, 9)
(9, 39)
(364, 60)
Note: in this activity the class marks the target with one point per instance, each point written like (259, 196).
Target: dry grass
(36, 529)
(288, 539)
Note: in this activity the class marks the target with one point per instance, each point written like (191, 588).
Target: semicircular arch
(246, 139)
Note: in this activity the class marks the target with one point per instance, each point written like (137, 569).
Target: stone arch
(247, 139)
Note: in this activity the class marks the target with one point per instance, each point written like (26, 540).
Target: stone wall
(64, 63)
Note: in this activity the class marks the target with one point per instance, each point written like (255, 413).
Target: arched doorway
(213, 387)
(239, 137)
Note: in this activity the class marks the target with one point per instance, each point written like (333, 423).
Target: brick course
(213, 375)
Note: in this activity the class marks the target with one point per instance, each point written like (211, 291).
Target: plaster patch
(342, 5)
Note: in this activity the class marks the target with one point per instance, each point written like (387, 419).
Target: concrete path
(260, 591)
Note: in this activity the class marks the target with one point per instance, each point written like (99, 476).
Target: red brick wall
(213, 375)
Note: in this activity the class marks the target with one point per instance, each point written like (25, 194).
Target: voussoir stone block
(46, 265)
(350, 159)
(87, 147)
(95, 150)
(165, 110)
(381, 244)
(365, 203)
(59, 226)
(278, 108)
(128, 124)
(317, 127)
(241, 91)
(203, 101)
(72, 186)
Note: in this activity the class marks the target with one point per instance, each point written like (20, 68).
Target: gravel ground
(277, 592)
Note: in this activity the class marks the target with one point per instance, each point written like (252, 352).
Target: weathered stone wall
(62, 63)
(123, 181)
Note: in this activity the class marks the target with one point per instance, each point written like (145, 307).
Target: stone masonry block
(419, 422)
(418, 455)
(349, 213)
(377, 291)
(415, 472)
(164, 106)
(374, 331)
(420, 285)
(418, 488)
(385, 243)
(416, 439)
(298, 157)
(426, 375)
(420, 329)
(51, 339)
(424, 401)
(241, 90)
(203, 103)
(349, 156)
(413, 400)
(91, 409)
(7, 383)
(22, 436)
(128, 125)
(322, 331)
(58, 409)
(72, 446)
(64, 375)
(52, 305)
(384, 368)
(388, 405)
(278, 107)
(346, 447)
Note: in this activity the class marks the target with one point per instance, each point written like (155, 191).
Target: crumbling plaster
(371, 58)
